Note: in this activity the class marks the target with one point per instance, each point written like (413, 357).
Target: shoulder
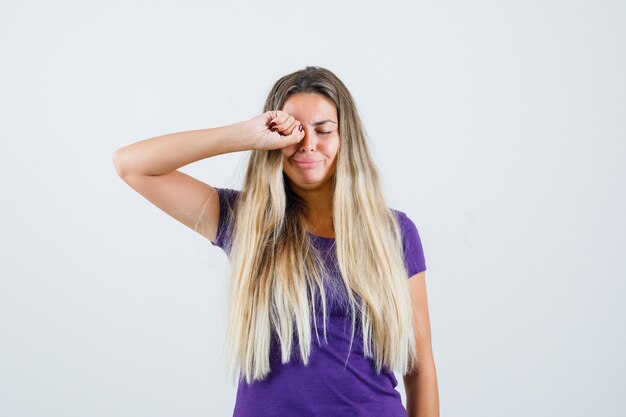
(406, 223)
(227, 203)
(407, 226)
(227, 195)
(227, 199)
(412, 243)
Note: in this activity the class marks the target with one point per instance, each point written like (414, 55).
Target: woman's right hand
(275, 129)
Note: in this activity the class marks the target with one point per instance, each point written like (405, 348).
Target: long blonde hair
(276, 273)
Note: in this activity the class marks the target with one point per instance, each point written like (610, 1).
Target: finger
(273, 122)
(296, 135)
(273, 114)
(284, 124)
(280, 117)
(292, 126)
(270, 118)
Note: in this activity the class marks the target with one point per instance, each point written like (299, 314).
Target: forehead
(310, 107)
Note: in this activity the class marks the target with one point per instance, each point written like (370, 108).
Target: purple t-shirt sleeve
(413, 251)
(227, 199)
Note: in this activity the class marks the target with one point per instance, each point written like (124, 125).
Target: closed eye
(324, 133)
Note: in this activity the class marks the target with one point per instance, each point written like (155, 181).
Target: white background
(498, 127)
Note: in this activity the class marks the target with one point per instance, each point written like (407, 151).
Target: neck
(319, 201)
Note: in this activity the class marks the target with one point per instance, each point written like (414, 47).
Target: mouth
(306, 164)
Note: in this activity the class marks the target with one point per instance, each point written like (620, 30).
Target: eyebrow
(324, 121)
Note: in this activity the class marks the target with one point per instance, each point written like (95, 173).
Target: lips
(306, 163)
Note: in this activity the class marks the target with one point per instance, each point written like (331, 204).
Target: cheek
(334, 149)
(287, 152)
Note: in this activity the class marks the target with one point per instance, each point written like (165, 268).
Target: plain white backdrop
(499, 127)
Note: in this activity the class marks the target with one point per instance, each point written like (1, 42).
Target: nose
(308, 142)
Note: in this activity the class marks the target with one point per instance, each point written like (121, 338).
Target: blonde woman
(327, 295)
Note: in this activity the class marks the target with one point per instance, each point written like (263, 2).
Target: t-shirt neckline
(321, 237)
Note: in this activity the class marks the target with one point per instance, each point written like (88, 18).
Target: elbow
(119, 163)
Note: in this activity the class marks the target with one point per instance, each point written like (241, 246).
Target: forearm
(165, 153)
(422, 394)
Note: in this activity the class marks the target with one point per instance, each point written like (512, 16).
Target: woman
(320, 311)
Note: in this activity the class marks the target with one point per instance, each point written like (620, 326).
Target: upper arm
(421, 325)
(185, 198)
(416, 267)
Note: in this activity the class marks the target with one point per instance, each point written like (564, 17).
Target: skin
(421, 386)
(150, 167)
(320, 142)
(314, 186)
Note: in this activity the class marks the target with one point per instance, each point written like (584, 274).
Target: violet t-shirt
(327, 386)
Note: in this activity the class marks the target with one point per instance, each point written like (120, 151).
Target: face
(320, 143)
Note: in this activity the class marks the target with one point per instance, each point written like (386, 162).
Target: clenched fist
(275, 129)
